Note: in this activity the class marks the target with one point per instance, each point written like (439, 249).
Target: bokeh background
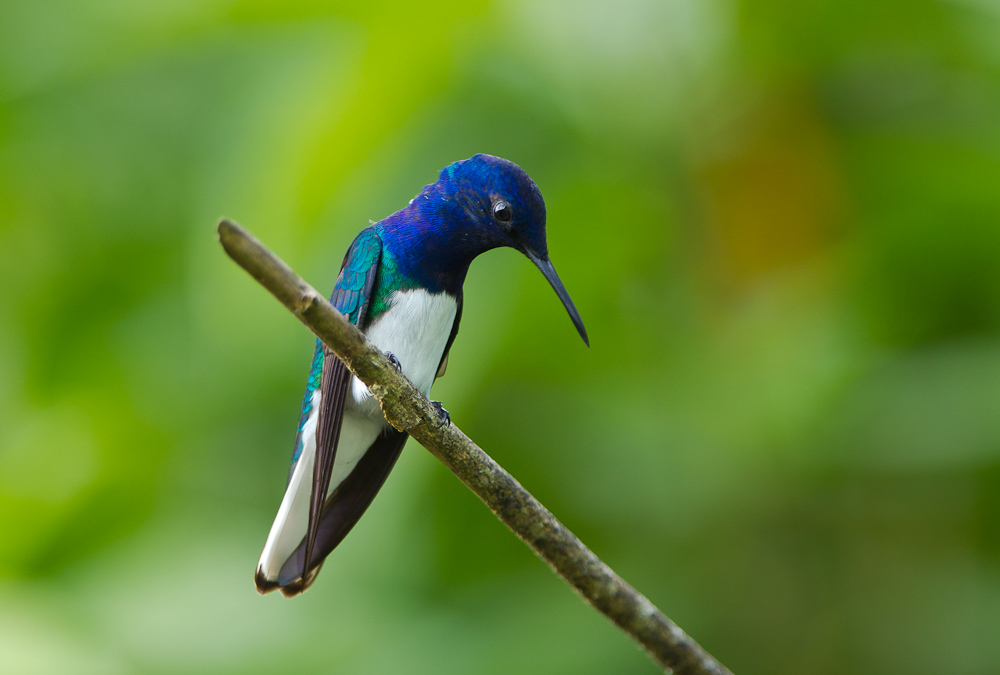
(780, 222)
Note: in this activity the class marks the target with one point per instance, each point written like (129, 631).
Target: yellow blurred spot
(771, 197)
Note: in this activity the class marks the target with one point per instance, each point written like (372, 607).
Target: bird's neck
(431, 243)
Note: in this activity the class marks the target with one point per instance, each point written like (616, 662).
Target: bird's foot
(443, 417)
(394, 361)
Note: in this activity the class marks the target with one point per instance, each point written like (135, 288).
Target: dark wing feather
(343, 509)
(333, 395)
(351, 296)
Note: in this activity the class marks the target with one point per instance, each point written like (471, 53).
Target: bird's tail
(365, 456)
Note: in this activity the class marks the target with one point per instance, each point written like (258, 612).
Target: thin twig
(408, 410)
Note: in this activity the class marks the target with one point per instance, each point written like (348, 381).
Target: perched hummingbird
(401, 284)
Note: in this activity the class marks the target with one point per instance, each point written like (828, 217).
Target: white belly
(415, 330)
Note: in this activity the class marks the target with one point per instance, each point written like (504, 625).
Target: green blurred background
(780, 222)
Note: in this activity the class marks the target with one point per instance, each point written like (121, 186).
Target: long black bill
(545, 265)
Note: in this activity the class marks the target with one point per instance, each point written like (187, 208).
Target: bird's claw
(443, 417)
(394, 361)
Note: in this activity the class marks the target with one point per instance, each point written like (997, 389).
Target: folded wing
(338, 464)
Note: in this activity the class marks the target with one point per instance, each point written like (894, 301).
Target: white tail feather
(356, 435)
(289, 525)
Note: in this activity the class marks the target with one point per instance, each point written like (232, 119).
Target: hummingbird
(401, 285)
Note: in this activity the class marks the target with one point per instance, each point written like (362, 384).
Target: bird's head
(503, 207)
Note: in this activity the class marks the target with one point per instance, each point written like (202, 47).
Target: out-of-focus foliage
(780, 221)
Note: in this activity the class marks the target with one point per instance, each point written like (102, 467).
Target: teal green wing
(352, 297)
(320, 423)
(352, 293)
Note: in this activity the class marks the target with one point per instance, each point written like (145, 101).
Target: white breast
(415, 330)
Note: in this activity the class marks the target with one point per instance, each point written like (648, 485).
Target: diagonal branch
(408, 410)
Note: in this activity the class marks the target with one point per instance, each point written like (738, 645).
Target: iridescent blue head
(477, 204)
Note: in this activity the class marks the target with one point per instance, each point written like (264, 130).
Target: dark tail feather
(333, 385)
(342, 510)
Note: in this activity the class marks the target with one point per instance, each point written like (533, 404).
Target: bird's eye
(503, 212)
